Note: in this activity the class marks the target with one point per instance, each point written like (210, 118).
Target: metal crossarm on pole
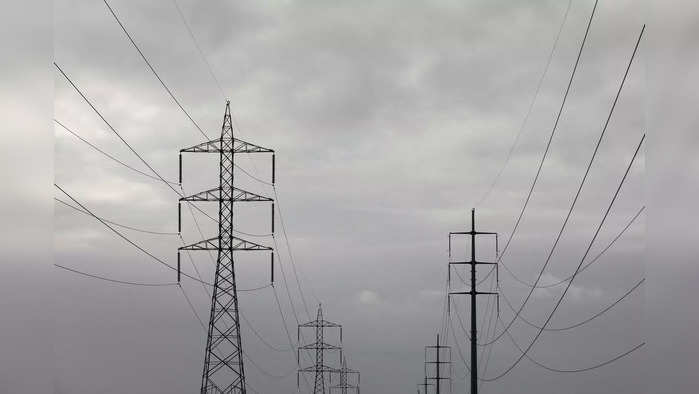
(473, 292)
(440, 359)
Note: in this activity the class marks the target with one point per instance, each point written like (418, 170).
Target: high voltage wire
(550, 139)
(137, 246)
(150, 66)
(123, 282)
(589, 319)
(589, 246)
(573, 370)
(529, 109)
(107, 154)
(113, 129)
(196, 44)
(577, 193)
(115, 223)
(125, 238)
(606, 248)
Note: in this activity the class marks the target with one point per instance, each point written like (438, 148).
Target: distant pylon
(320, 369)
(223, 360)
(345, 375)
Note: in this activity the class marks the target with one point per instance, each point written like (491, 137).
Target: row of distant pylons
(323, 370)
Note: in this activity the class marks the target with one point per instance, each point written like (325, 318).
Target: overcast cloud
(390, 120)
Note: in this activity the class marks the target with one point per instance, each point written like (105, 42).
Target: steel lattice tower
(344, 374)
(319, 347)
(473, 262)
(223, 360)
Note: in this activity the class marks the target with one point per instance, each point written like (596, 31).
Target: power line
(589, 319)
(113, 129)
(550, 139)
(529, 110)
(115, 223)
(196, 44)
(125, 238)
(291, 257)
(107, 154)
(150, 66)
(104, 278)
(589, 246)
(577, 193)
(573, 370)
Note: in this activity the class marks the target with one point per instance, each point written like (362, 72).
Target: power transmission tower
(345, 374)
(223, 360)
(439, 359)
(473, 292)
(424, 386)
(319, 347)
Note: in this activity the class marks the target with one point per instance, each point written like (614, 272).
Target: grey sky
(390, 120)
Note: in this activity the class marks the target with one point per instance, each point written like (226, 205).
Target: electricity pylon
(319, 347)
(473, 292)
(223, 358)
(345, 375)
(442, 357)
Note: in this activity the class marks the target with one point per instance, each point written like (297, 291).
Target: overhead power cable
(196, 44)
(150, 66)
(577, 193)
(113, 129)
(107, 154)
(529, 109)
(573, 370)
(589, 319)
(550, 139)
(115, 223)
(565, 291)
(125, 238)
(123, 282)
(139, 247)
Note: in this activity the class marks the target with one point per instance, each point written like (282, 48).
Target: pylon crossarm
(321, 323)
(320, 346)
(471, 262)
(237, 244)
(238, 146)
(215, 195)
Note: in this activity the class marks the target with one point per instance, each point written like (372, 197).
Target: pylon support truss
(215, 195)
(238, 244)
(238, 146)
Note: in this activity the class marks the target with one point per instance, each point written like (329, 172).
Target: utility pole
(319, 347)
(344, 385)
(223, 359)
(439, 360)
(473, 292)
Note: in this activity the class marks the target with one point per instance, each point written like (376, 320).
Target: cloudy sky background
(390, 121)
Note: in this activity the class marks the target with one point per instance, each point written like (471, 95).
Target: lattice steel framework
(473, 262)
(223, 360)
(346, 375)
(319, 347)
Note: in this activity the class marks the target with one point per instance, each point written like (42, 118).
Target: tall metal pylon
(473, 292)
(442, 357)
(320, 369)
(345, 374)
(223, 358)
